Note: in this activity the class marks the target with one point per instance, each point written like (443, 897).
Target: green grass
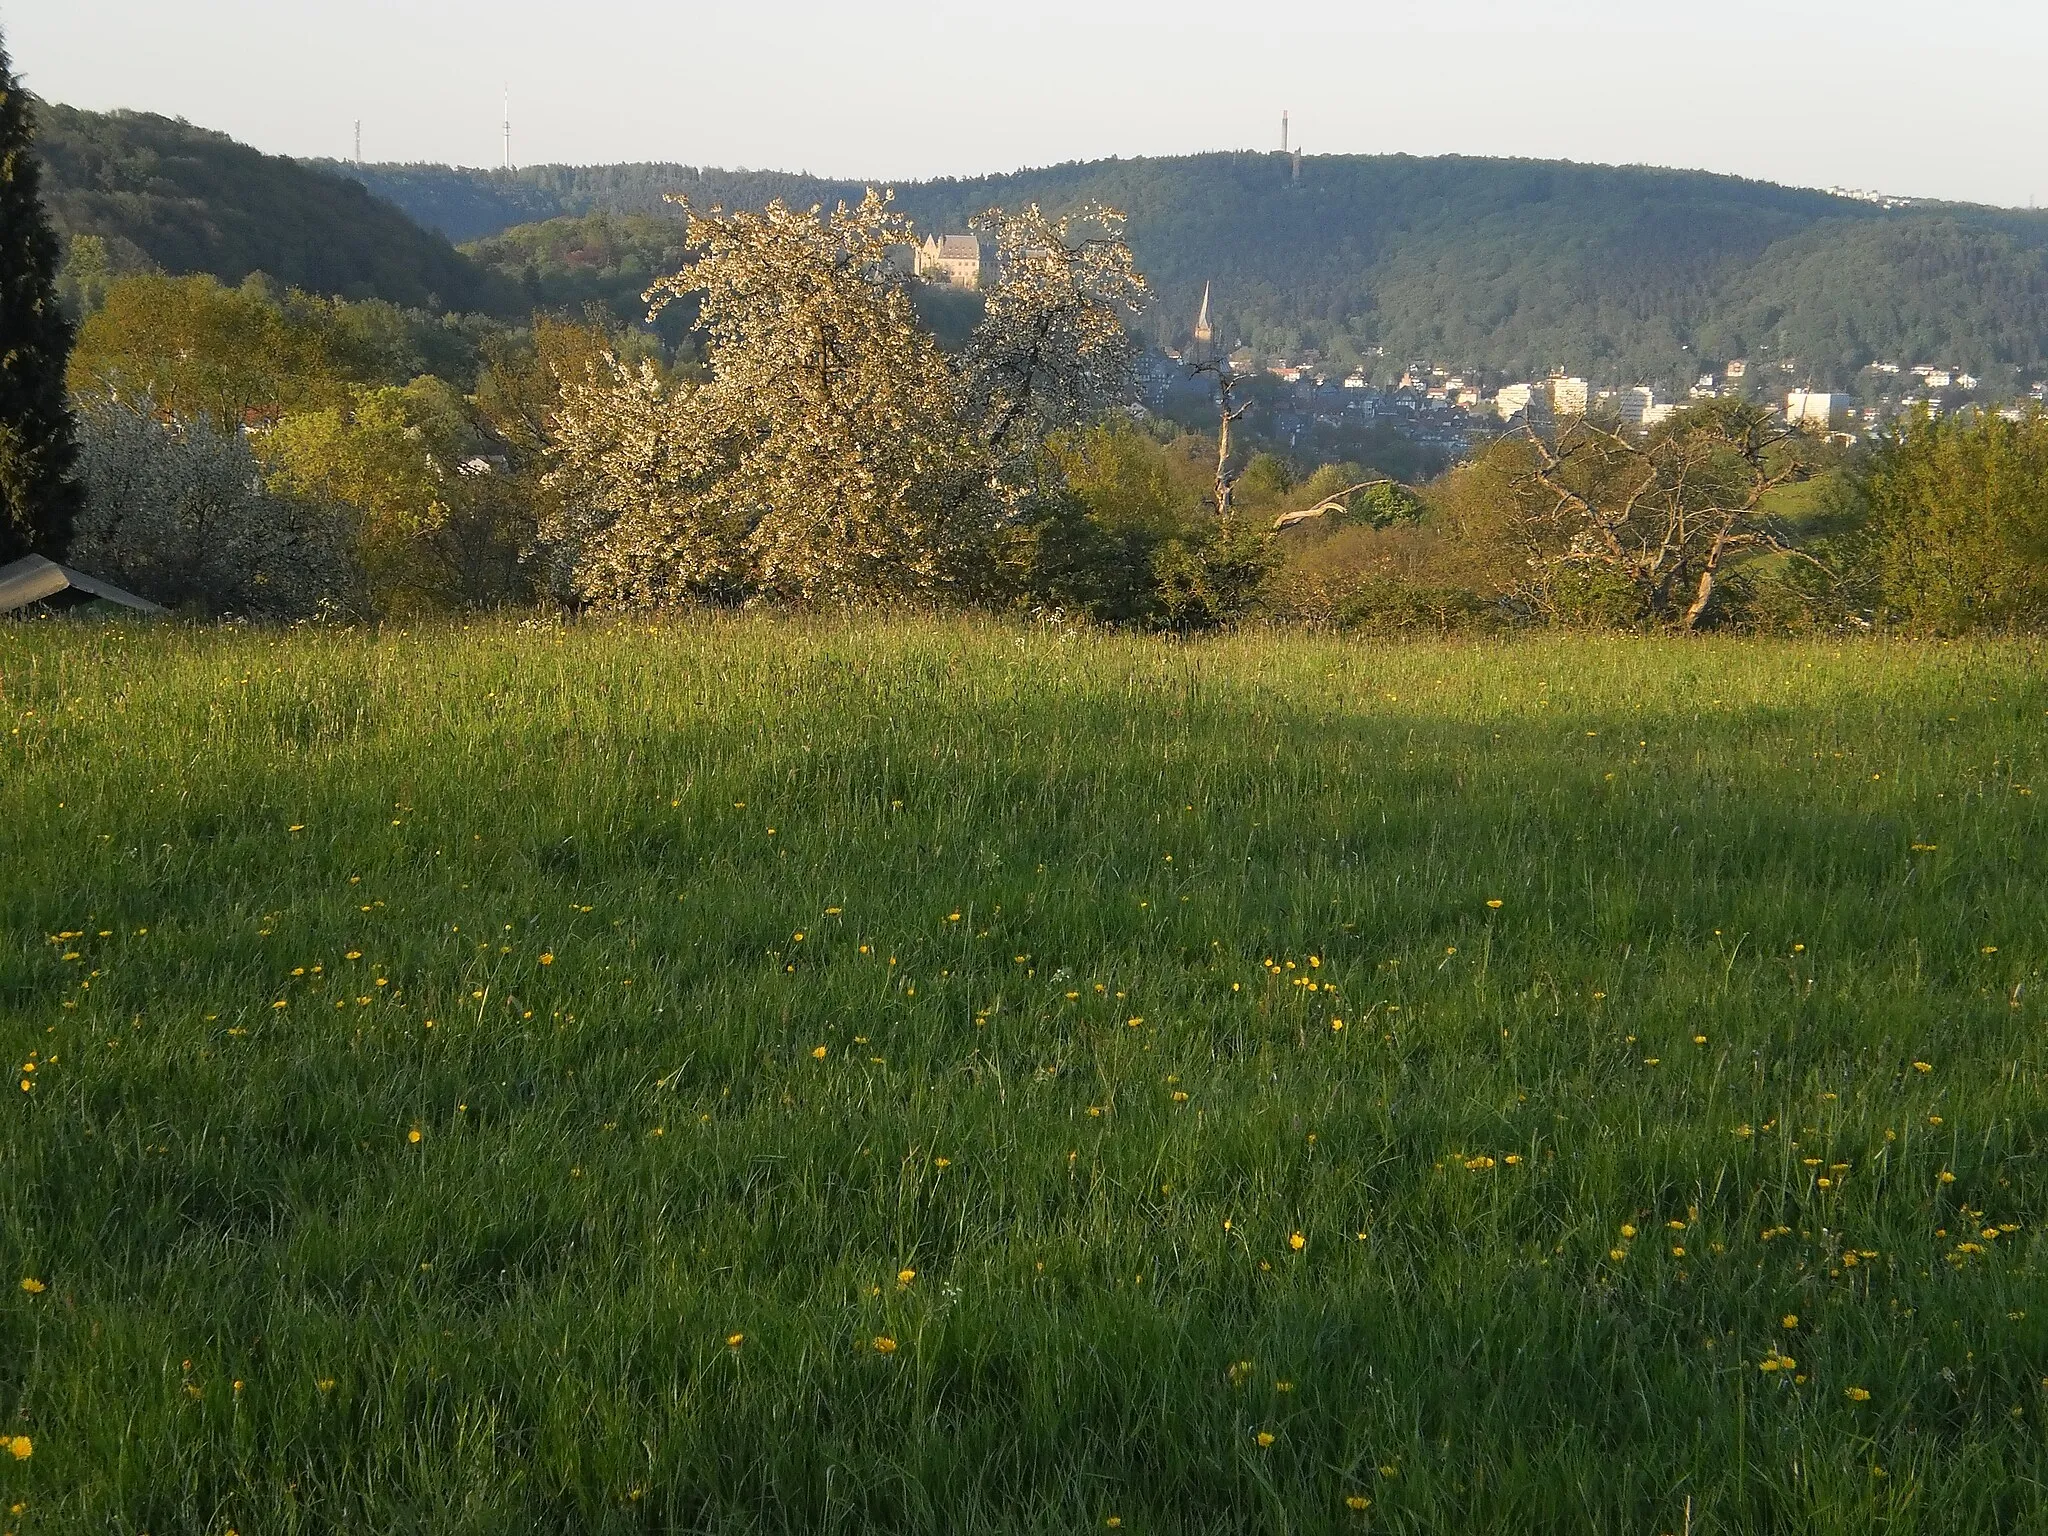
(583, 908)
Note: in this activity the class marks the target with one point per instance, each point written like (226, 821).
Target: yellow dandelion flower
(1265, 1438)
(1627, 1230)
(33, 1286)
(1494, 903)
(1947, 1177)
(1790, 1320)
(1297, 1242)
(884, 1345)
(413, 1135)
(905, 1276)
(1923, 1066)
(1857, 1394)
(1358, 1501)
(548, 958)
(1114, 1522)
(735, 1340)
(21, 1447)
(818, 1054)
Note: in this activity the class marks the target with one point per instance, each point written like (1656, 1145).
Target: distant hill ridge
(1511, 265)
(1627, 274)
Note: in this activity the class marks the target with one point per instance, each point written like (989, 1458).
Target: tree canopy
(37, 444)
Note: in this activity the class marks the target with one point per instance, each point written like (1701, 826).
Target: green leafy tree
(87, 272)
(37, 439)
(197, 349)
(437, 523)
(1958, 537)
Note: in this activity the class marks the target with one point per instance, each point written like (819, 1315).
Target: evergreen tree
(37, 447)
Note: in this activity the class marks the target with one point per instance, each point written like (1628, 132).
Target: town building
(1812, 408)
(954, 259)
(1569, 396)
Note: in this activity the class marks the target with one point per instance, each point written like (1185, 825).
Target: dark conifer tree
(37, 447)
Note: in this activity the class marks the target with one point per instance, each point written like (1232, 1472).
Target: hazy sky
(1901, 96)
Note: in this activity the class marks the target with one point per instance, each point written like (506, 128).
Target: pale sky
(1899, 96)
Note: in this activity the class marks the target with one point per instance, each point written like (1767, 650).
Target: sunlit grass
(942, 1077)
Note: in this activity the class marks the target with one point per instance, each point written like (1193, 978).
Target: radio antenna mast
(508, 126)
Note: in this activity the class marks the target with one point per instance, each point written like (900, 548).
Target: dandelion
(884, 1345)
(1114, 1522)
(21, 1447)
(1790, 1320)
(413, 1135)
(818, 1054)
(354, 954)
(1265, 1438)
(1627, 1230)
(735, 1340)
(546, 959)
(1923, 1066)
(325, 1383)
(1857, 1394)
(1946, 1177)
(905, 1276)
(32, 1285)
(1297, 1242)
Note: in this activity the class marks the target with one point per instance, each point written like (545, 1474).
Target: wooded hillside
(1514, 266)
(165, 194)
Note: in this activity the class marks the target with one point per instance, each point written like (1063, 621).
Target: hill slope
(186, 199)
(1509, 265)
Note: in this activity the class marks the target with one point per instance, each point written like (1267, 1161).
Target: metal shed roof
(34, 579)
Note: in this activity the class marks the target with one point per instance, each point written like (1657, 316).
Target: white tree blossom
(824, 459)
(179, 512)
(1052, 348)
(835, 453)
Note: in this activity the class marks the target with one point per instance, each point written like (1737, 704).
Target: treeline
(262, 453)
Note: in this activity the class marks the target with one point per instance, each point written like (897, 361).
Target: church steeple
(1205, 330)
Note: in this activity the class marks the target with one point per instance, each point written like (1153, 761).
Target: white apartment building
(1569, 396)
(1812, 408)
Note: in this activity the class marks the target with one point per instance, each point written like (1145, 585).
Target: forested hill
(167, 195)
(1510, 265)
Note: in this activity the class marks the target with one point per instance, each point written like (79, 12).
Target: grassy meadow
(940, 1077)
